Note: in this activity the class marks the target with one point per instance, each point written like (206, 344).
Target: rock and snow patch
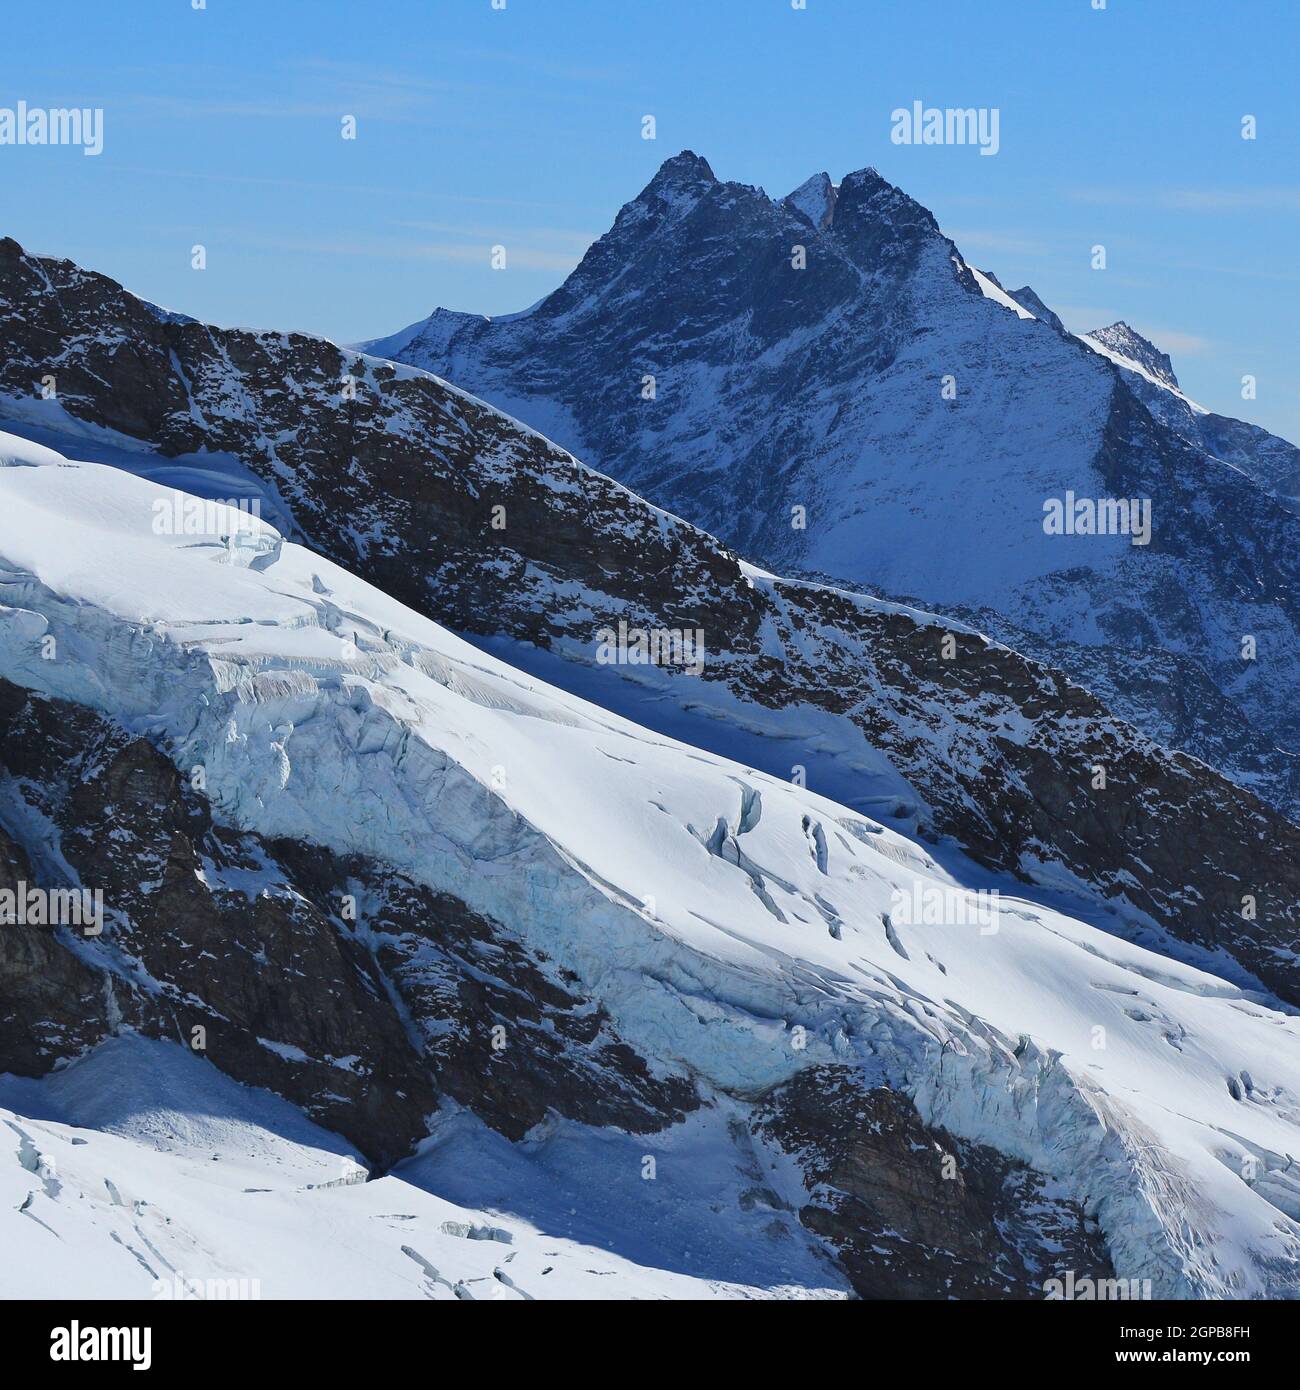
(231, 1194)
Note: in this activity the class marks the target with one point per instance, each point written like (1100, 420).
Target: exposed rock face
(398, 481)
(52, 1004)
(401, 483)
(356, 994)
(503, 1033)
(1028, 299)
(913, 1212)
(1165, 832)
(206, 932)
(862, 411)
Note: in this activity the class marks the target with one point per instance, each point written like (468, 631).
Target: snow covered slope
(829, 387)
(153, 1176)
(738, 930)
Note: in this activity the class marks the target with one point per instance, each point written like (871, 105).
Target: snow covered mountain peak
(685, 172)
(1027, 298)
(814, 199)
(1120, 338)
(843, 400)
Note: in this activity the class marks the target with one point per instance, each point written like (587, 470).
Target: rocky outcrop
(1028, 298)
(358, 995)
(52, 1003)
(913, 1212)
(1129, 343)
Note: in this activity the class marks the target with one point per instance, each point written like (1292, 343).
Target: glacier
(736, 927)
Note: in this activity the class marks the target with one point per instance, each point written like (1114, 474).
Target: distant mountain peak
(686, 170)
(1120, 338)
(814, 199)
(1027, 298)
(867, 195)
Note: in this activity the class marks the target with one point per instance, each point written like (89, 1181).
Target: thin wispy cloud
(522, 255)
(1176, 343)
(307, 89)
(544, 67)
(1248, 272)
(1082, 318)
(1277, 199)
(376, 104)
(1003, 242)
(320, 88)
(557, 236)
(325, 186)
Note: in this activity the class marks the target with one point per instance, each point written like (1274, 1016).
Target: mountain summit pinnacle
(684, 170)
(866, 195)
(1128, 342)
(1027, 298)
(815, 199)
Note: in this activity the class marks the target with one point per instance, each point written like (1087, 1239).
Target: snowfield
(734, 926)
(160, 1178)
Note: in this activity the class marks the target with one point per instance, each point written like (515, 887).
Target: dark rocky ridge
(400, 483)
(1028, 299)
(1128, 342)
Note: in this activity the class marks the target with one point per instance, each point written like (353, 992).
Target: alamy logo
(77, 1343)
(655, 646)
(27, 906)
(179, 514)
(1087, 1290)
(928, 904)
(59, 125)
(177, 1288)
(948, 125)
(1100, 516)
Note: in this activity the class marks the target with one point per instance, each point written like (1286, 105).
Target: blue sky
(523, 126)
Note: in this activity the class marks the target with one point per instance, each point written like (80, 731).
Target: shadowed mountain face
(825, 384)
